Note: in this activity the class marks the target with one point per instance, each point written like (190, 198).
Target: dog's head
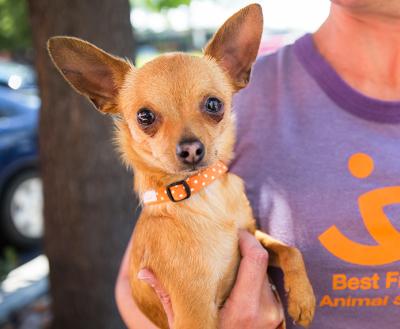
(174, 113)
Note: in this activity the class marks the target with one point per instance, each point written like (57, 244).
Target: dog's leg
(205, 316)
(301, 299)
(193, 308)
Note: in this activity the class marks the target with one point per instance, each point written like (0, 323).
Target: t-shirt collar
(338, 90)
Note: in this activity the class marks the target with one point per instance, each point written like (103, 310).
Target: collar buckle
(185, 186)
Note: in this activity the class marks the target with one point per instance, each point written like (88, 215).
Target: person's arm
(251, 304)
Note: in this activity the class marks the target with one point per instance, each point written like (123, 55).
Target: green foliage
(159, 5)
(15, 32)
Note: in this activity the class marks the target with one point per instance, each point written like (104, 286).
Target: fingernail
(143, 275)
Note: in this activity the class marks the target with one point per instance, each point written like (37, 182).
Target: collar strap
(182, 190)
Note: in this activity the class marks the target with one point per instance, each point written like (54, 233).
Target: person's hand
(251, 304)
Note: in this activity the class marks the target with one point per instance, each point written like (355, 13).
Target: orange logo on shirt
(371, 205)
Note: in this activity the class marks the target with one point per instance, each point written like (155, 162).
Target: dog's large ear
(235, 45)
(89, 70)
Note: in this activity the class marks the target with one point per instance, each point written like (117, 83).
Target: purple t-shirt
(321, 163)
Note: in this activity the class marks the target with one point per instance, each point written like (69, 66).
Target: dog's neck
(152, 179)
(183, 189)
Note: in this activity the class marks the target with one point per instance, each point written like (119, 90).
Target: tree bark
(89, 204)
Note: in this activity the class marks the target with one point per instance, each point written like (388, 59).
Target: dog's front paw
(301, 301)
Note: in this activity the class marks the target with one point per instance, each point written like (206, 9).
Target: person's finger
(252, 271)
(270, 301)
(148, 277)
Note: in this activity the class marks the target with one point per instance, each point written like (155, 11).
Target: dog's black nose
(190, 151)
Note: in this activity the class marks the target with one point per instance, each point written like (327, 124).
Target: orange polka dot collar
(182, 190)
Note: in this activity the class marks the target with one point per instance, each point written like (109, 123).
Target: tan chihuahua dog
(175, 128)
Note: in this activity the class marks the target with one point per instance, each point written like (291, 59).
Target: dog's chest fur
(196, 239)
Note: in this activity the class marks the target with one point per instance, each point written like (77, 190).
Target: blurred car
(21, 218)
(17, 76)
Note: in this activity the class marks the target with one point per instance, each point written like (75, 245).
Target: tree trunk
(89, 204)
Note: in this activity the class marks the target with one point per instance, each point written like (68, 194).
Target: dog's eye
(213, 105)
(145, 117)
